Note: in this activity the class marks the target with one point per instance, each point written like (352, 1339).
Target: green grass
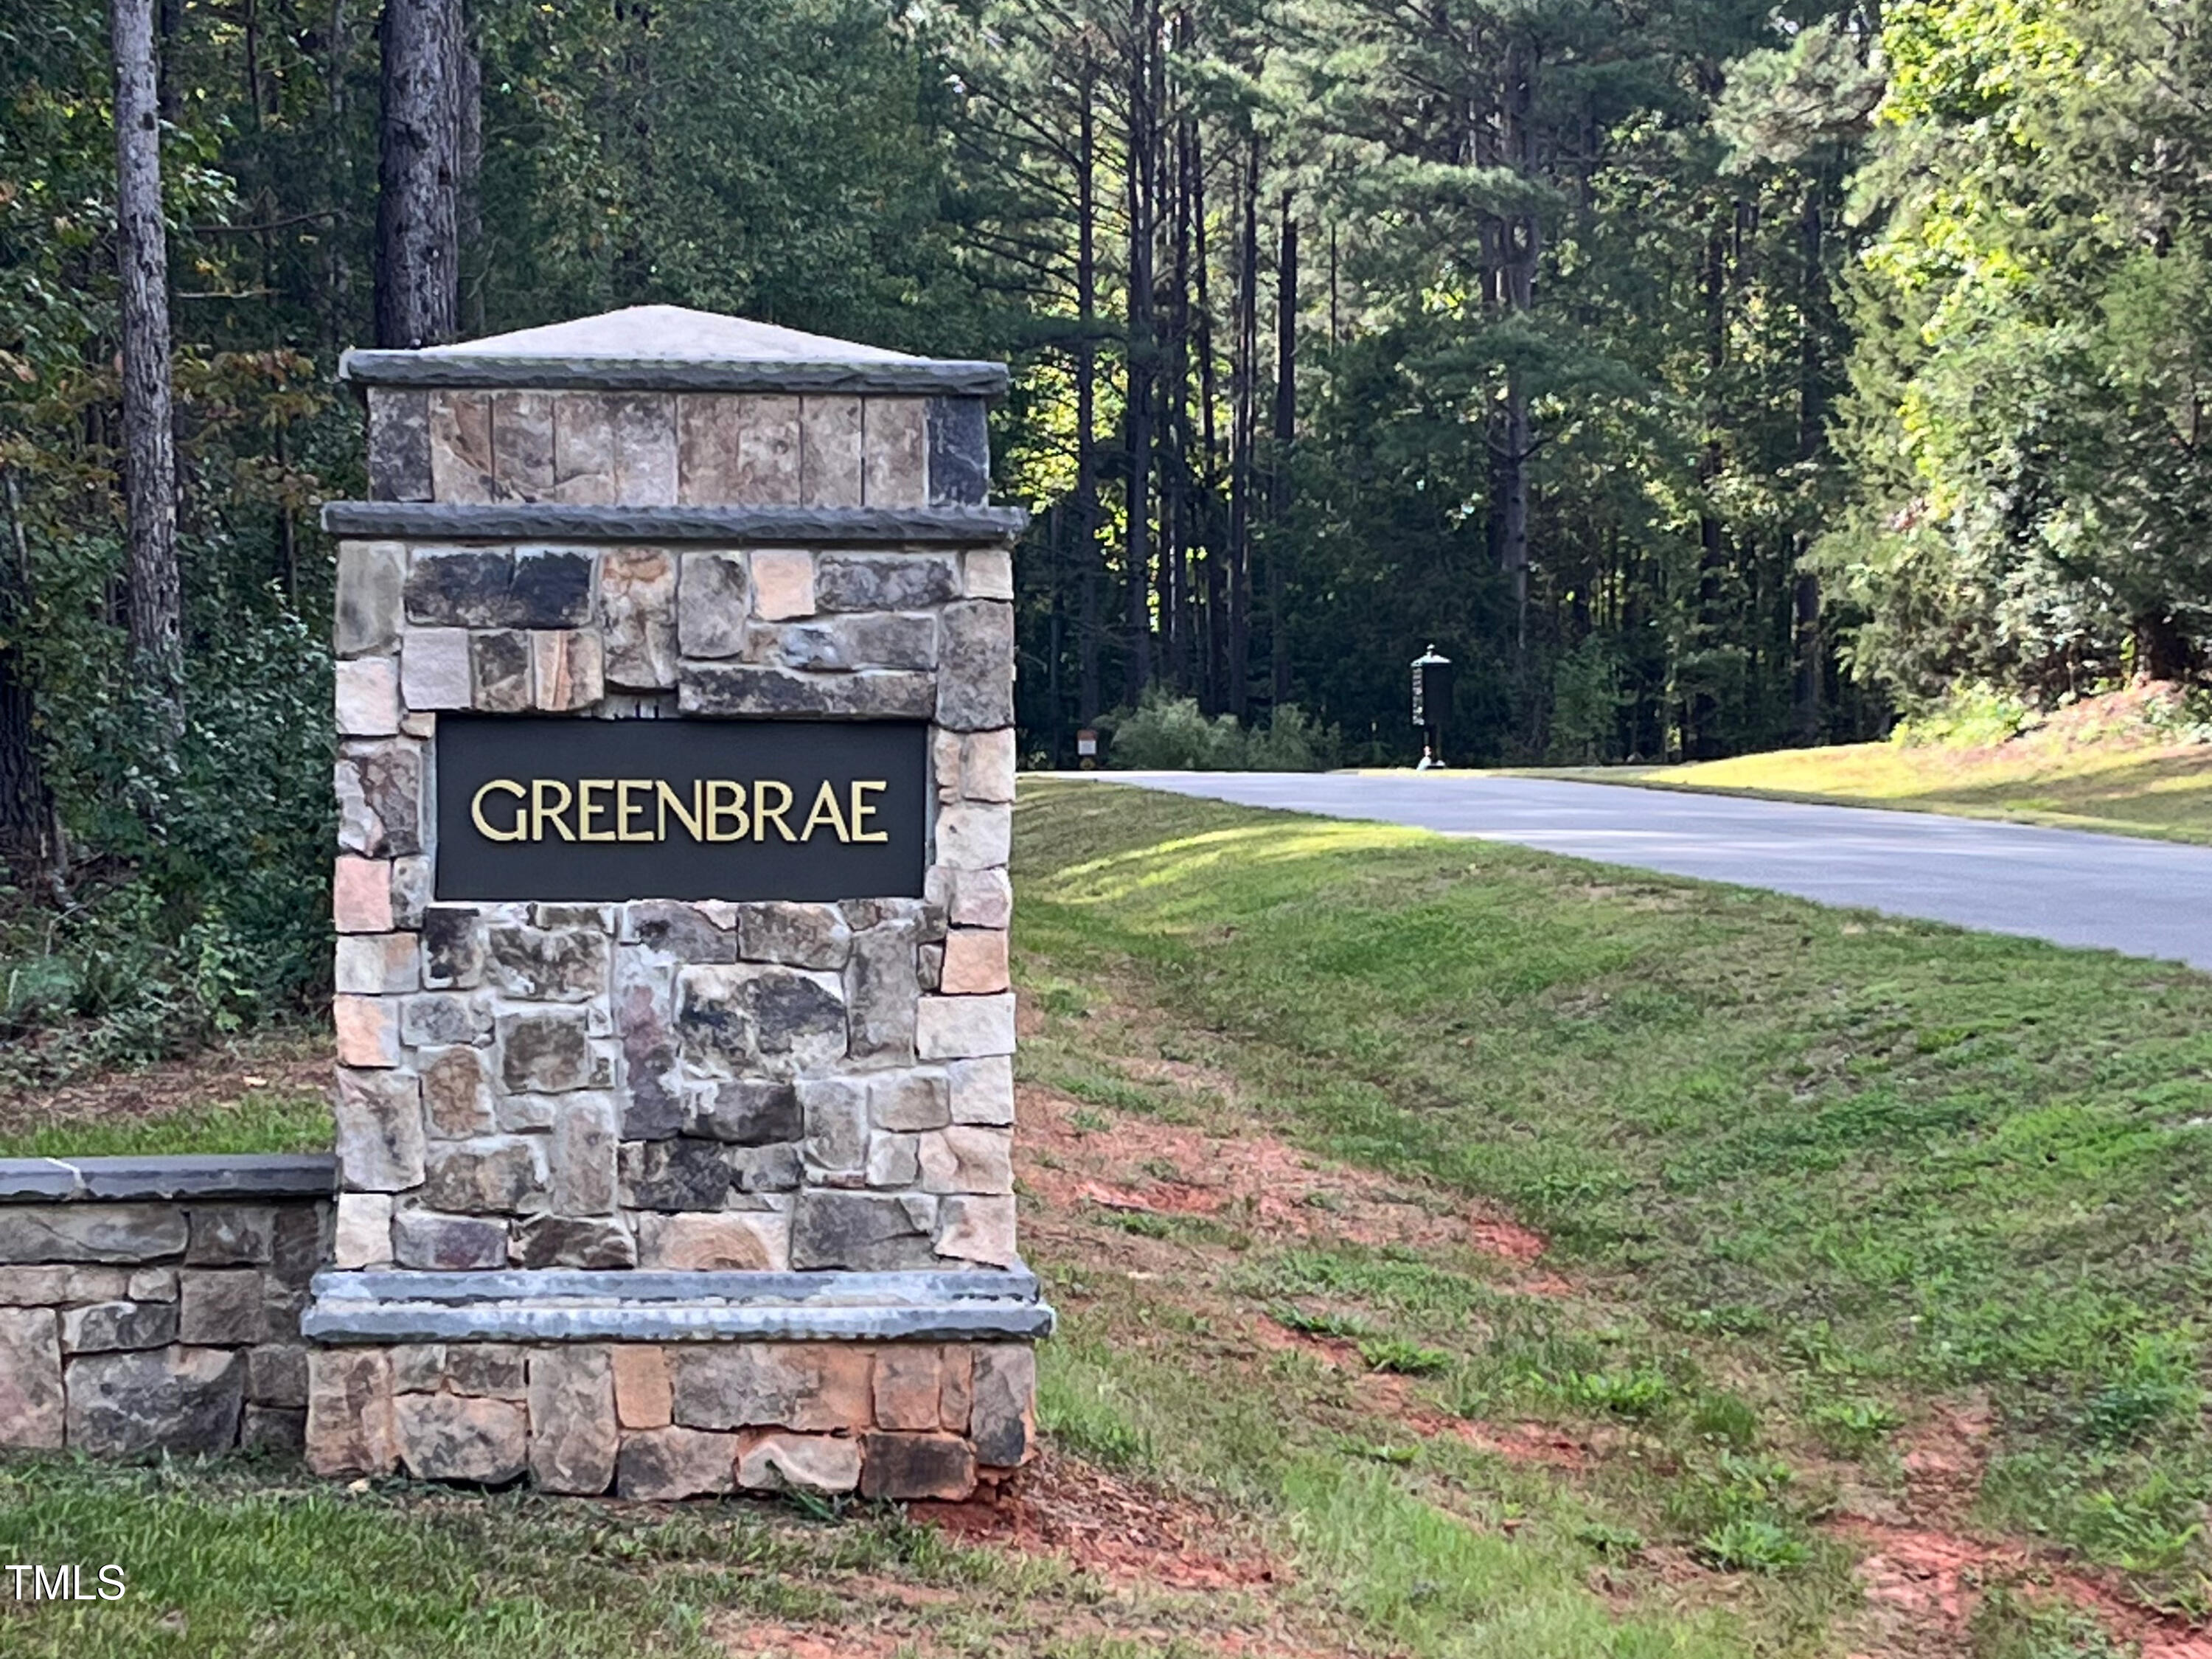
(258, 1120)
(1868, 1158)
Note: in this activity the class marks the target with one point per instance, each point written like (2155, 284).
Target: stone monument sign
(675, 1090)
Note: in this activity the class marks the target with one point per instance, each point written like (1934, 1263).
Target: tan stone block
(711, 1241)
(367, 700)
(783, 583)
(967, 1157)
(31, 1399)
(975, 835)
(1003, 1422)
(896, 471)
(974, 963)
(972, 1228)
(771, 1460)
(945, 750)
(457, 1096)
(978, 898)
(499, 671)
(829, 451)
(377, 964)
(908, 1382)
(986, 765)
(637, 617)
(614, 448)
(461, 464)
(983, 1091)
(360, 895)
(989, 573)
(641, 1396)
(813, 1387)
(569, 668)
(351, 1426)
(433, 669)
(956, 1381)
(963, 1028)
(573, 1432)
(444, 1436)
(663, 1465)
(364, 1230)
(367, 1031)
(522, 445)
(737, 449)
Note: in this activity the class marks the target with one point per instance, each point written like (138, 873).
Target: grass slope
(1875, 1158)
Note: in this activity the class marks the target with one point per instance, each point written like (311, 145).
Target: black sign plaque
(599, 812)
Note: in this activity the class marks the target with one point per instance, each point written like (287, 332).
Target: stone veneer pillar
(656, 1197)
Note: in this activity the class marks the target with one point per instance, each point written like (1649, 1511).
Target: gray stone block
(1002, 1421)
(457, 1098)
(229, 1235)
(276, 1375)
(874, 1230)
(102, 1232)
(499, 671)
(793, 935)
(277, 1429)
(896, 472)
(107, 1326)
(684, 1173)
(437, 1019)
(803, 1386)
(910, 1101)
(379, 1130)
(299, 1240)
(548, 1053)
(662, 1465)
(448, 1438)
(424, 1238)
(184, 1402)
(653, 1105)
(959, 451)
(583, 1157)
(682, 931)
(526, 587)
(492, 1175)
(561, 1241)
(566, 965)
(843, 644)
(882, 983)
(775, 1169)
(837, 1116)
(713, 601)
(452, 944)
(741, 688)
(573, 1432)
(976, 674)
(366, 610)
(486, 1371)
(749, 1019)
(885, 581)
(399, 445)
(221, 1307)
(744, 1112)
(637, 617)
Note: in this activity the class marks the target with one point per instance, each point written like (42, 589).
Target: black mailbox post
(1432, 695)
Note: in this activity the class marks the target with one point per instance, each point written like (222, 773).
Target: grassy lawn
(1461, 1252)
(2116, 779)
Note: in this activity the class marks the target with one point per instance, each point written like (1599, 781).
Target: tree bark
(417, 232)
(1286, 431)
(1143, 190)
(1806, 649)
(1087, 694)
(1243, 372)
(149, 454)
(30, 833)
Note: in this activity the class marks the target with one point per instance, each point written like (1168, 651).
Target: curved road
(2146, 898)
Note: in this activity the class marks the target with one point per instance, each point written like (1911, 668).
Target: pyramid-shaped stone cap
(673, 349)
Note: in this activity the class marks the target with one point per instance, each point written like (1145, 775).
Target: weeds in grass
(1618, 1542)
(1639, 1394)
(1392, 1353)
(1751, 1543)
(1338, 1327)
(1855, 1424)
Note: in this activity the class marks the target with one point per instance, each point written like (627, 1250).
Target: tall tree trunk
(149, 455)
(1143, 190)
(1216, 584)
(1243, 372)
(1703, 739)
(1087, 693)
(1286, 431)
(30, 833)
(1805, 647)
(468, 172)
(417, 245)
(1517, 248)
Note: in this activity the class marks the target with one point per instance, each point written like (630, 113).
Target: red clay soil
(1143, 1165)
(1117, 1528)
(1925, 1578)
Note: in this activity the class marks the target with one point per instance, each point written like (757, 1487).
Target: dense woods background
(1701, 375)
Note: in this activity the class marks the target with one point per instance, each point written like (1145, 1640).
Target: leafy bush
(1752, 1544)
(1166, 733)
(1970, 716)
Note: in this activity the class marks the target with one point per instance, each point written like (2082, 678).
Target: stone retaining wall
(153, 1305)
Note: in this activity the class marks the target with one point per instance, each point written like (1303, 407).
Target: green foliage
(1395, 1353)
(1167, 733)
(1752, 1544)
(1966, 716)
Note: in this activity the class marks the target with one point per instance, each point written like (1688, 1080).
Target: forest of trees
(1702, 376)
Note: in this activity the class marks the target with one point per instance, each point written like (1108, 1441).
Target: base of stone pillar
(670, 1385)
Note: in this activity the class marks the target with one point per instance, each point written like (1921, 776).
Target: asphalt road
(2146, 898)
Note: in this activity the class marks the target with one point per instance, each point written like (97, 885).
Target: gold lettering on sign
(505, 786)
(541, 814)
(826, 809)
(671, 802)
(862, 811)
(708, 810)
(763, 811)
(585, 806)
(724, 799)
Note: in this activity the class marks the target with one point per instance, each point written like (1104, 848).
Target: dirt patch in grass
(298, 1063)
(1074, 1156)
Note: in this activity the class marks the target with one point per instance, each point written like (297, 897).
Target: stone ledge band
(539, 1320)
(634, 1285)
(728, 526)
(219, 1175)
(469, 372)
